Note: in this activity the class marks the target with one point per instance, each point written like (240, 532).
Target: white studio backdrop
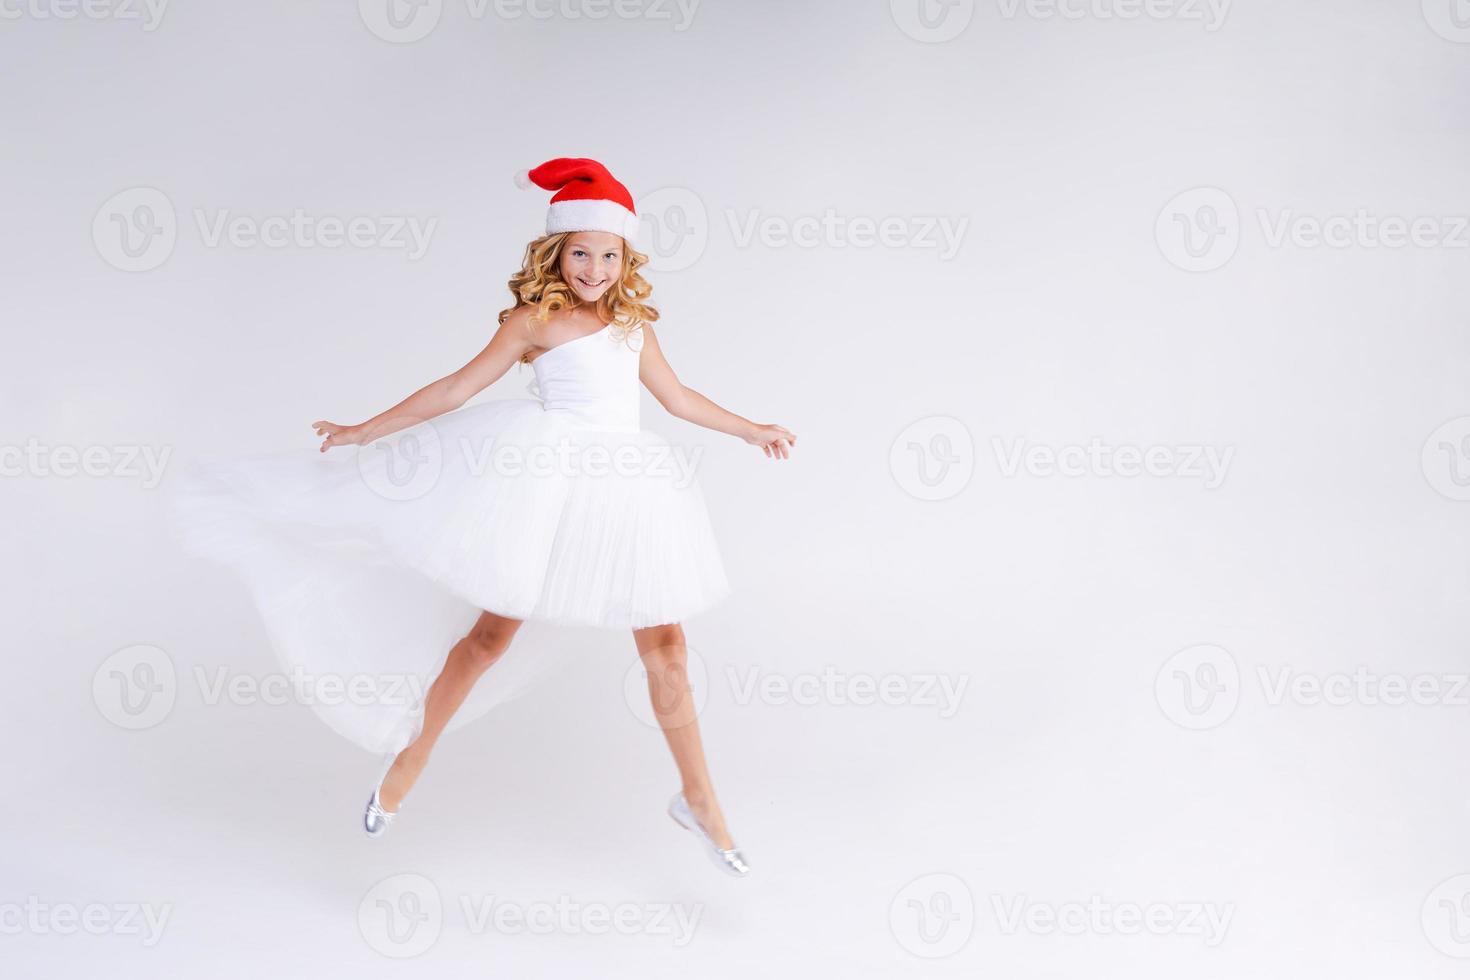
(1108, 621)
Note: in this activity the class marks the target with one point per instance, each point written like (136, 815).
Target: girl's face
(591, 261)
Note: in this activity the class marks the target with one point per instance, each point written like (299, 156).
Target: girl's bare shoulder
(523, 320)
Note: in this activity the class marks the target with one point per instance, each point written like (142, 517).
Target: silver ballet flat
(375, 819)
(728, 860)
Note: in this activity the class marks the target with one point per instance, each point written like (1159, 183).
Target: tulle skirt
(367, 564)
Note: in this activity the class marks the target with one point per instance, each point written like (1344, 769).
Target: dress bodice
(593, 379)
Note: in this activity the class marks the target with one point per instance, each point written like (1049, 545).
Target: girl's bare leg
(469, 658)
(665, 658)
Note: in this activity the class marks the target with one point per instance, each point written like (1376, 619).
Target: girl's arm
(685, 403)
(511, 341)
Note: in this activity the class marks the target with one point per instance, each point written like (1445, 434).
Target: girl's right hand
(338, 435)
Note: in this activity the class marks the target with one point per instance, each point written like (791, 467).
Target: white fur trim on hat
(592, 215)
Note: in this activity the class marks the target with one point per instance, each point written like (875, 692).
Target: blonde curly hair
(539, 283)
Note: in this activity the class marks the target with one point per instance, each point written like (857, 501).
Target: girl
(560, 508)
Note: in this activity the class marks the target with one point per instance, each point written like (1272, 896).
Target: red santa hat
(587, 197)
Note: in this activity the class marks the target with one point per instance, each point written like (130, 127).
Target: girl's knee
(490, 637)
(662, 646)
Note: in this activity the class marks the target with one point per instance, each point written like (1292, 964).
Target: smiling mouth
(591, 285)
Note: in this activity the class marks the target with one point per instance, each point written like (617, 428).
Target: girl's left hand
(776, 441)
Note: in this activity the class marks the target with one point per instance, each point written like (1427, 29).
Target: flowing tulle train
(368, 564)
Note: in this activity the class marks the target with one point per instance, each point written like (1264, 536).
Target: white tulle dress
(368, 563)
